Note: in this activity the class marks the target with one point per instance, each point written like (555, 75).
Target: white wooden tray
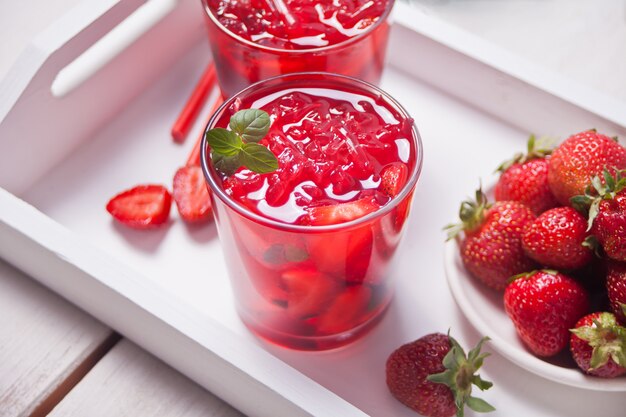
(63, 156)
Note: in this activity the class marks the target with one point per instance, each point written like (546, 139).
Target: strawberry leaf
(251, 124)
(597, 184)
(535, 148)
(478, 405)
(481, 383)
(593, 213)
(460, 375)
(581, 203)
(609, 179)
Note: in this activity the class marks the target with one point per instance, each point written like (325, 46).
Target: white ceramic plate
(484, 309)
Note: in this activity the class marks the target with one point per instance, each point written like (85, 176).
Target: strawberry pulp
(343, 154)
(257, 39)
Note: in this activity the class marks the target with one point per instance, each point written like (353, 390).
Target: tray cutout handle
(110, 45)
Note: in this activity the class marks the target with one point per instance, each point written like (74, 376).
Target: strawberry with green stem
(434, 376)
(491, 245)
(605, 202)
(598, 345)
(524, 178)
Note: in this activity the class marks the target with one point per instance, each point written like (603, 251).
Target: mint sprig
(232, 149)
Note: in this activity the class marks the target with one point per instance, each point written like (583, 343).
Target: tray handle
(32, 118)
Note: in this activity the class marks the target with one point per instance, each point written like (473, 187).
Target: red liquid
(253, 40)
(311, 288)
(301, 24)
(329, 153)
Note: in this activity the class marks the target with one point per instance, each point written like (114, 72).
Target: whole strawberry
(434, 377)
(543, 306)
(491, 248)
(598, 345)
(525, 179)
(605, 201)
(579, 158)
(616, 289)
(555, 239)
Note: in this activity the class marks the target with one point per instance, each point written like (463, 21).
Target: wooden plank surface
(46, 344)
(130, 382)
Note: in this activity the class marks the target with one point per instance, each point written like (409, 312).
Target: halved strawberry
(347, 311)
(345, 254)
(191, 194)
(393, 178)
(308, 292)
(265, 282)
(341, 213)
(141, 207)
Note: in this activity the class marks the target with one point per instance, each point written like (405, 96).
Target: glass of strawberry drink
(309, 246)
(253, 40)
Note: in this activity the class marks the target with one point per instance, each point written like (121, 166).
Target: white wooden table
(57, 360)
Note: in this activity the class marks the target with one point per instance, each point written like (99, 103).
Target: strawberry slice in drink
(341, 213)
(345, 253)
(393, 178)
(266, 283)
(309, 292)
(141, 207)
(349, 309)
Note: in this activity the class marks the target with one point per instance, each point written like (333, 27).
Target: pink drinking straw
(195, 102)
(194, 156)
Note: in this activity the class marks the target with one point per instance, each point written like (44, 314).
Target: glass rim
(212, 177)
(342, 44)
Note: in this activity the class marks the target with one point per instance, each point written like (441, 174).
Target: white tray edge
(500, 59)
(237, 371)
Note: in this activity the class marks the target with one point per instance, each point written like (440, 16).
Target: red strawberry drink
(253, 40)
(309, 246)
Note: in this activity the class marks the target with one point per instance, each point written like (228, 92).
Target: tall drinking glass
(310, 247)
(258, 39)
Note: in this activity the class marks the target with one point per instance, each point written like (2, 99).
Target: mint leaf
(231, 149)
(258, 158)
(251, 124)
(224, 142)
(226, 164)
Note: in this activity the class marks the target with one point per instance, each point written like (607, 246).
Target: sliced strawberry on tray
(141, 207)
(191, 194)
(393, 178)
(308, 292)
